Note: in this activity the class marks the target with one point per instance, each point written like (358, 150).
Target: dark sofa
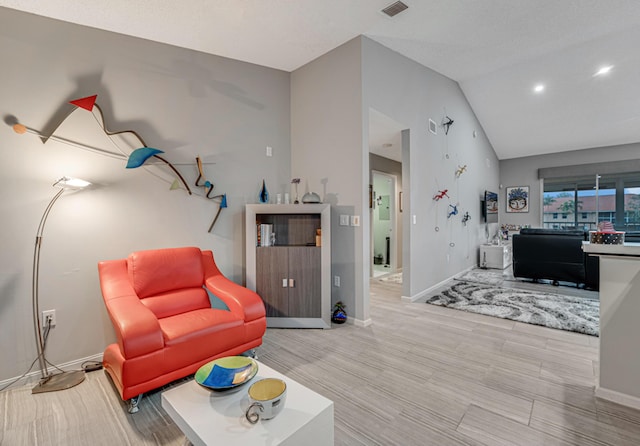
(554, 254)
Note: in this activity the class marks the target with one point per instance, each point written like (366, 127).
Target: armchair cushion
(150, 274)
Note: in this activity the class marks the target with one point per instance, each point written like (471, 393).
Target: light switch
(344, 220)
(269, 151)
(355, 220)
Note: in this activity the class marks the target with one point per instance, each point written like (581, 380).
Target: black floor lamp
(64, 380)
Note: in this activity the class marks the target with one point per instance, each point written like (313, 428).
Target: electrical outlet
(48, 318)
(336, 280)
(269, 151)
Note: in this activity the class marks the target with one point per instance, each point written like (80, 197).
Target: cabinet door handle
(284, 283)
(292, 283)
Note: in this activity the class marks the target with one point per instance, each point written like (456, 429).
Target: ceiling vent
(394, 9)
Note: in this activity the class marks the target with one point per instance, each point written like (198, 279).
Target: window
(632, 205)
(578, 204)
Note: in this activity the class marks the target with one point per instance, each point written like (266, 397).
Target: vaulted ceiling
(497, 50)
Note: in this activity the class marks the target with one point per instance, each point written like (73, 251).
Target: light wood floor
(420, 375)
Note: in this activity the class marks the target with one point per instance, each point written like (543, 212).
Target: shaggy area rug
(485, 276)
(569, 313)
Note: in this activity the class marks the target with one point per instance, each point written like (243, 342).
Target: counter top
(627, 249)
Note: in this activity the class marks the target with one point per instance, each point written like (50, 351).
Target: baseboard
(359, 322)
(619, 398)
(423, 293)
(34, 377)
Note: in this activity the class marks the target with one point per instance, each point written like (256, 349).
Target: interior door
(305, 290)
(272, 279)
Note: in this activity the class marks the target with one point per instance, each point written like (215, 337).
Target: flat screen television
(490, 208)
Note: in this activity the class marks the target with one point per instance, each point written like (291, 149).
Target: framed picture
(518, 199)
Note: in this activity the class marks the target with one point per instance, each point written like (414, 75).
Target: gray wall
(327, 154)
(180, 101)
(410, 94)
(524, 172)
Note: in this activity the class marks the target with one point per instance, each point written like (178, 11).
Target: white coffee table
(217, 418)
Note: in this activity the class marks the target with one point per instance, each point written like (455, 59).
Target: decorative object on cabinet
(263, 197)
(295, 182)
(518, 199)
(339, 315)
(293, 277)
(64, 380)
(311, 197)
(607, 237)
(128, 145)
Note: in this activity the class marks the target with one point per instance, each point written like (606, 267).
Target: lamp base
(59, 381)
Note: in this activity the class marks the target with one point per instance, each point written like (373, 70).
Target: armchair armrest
(240, 300)
(137, 328)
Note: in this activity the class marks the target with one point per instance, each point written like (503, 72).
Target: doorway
(388, 159)
(383, 227)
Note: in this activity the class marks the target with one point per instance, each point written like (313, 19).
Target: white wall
(180, 101)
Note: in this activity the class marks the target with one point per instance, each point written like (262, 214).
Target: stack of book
(265, 235)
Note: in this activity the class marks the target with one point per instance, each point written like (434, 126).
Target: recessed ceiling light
(603, 70)
(538, 88)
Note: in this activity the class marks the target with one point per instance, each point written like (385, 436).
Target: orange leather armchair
(165, 326)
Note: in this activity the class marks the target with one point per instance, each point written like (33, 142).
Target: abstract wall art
(134, 151)
(518, 199)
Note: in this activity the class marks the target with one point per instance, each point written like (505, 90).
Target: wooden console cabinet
(293, 275)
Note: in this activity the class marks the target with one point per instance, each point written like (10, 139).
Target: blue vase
(264, 194)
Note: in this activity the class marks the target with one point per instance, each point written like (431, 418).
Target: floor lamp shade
(64, 380)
